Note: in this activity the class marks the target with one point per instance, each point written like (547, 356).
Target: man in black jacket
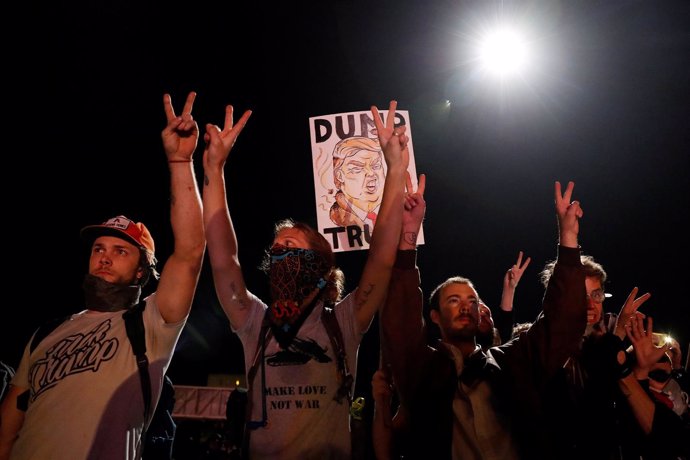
(460, 400)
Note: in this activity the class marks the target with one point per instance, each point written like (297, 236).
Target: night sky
(608, 106)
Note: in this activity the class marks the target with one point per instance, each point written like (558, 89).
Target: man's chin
(109, 277)
(465, 332)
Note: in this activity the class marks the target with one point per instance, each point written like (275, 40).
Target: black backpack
(160, 434)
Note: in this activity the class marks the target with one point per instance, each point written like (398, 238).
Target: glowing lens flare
(504, 52)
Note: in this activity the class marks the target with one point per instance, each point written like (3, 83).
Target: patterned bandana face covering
(294, 274)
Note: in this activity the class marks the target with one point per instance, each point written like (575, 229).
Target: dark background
(609, 109)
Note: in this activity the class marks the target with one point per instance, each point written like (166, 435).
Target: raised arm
(511, 280)
(181, 271)
(401, 319)
(504, 318)
(557, 331)
(222, 241)
(565, 301)
(376, 274)
(568, 214)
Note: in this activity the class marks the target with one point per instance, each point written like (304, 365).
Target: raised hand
(393, 140)
(181, 134)
(514, 273)
(629, 312)
(413, 214)
(646, 353)
(568, 214)
(219, 143)
(511, 280)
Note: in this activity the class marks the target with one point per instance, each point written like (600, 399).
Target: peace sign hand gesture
(181, 134)
(568, 214)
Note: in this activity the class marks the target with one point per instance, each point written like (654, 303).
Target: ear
(140, 273)
(435, 316)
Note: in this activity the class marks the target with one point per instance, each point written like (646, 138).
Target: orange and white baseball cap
(121, 227)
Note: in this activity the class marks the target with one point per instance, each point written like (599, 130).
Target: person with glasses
(652, 428)
(584, 417)
(595, 277)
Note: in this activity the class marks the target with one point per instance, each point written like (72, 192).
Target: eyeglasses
(597, 295)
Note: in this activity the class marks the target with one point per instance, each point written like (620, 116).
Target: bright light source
(504, 52)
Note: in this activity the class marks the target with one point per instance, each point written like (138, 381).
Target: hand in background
(646, 353)
(629, 311)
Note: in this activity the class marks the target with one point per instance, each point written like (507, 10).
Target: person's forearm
(382, 434)
(386, 235)
(564, 309)
(507, 297)
(377, 270)
(185, 213)
(639, 401)
(401, 320)
(220, 233)
(409, 234)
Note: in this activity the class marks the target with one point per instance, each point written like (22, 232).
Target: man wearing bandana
(79, 390)
(299, 405)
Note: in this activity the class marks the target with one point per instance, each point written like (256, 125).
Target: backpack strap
(134, 324)
(265, 335)
(248, 424)
(335, 334)
(44, 330)
(41, 333)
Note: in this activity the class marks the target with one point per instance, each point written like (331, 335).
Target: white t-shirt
(304, 421)
(86, 398)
